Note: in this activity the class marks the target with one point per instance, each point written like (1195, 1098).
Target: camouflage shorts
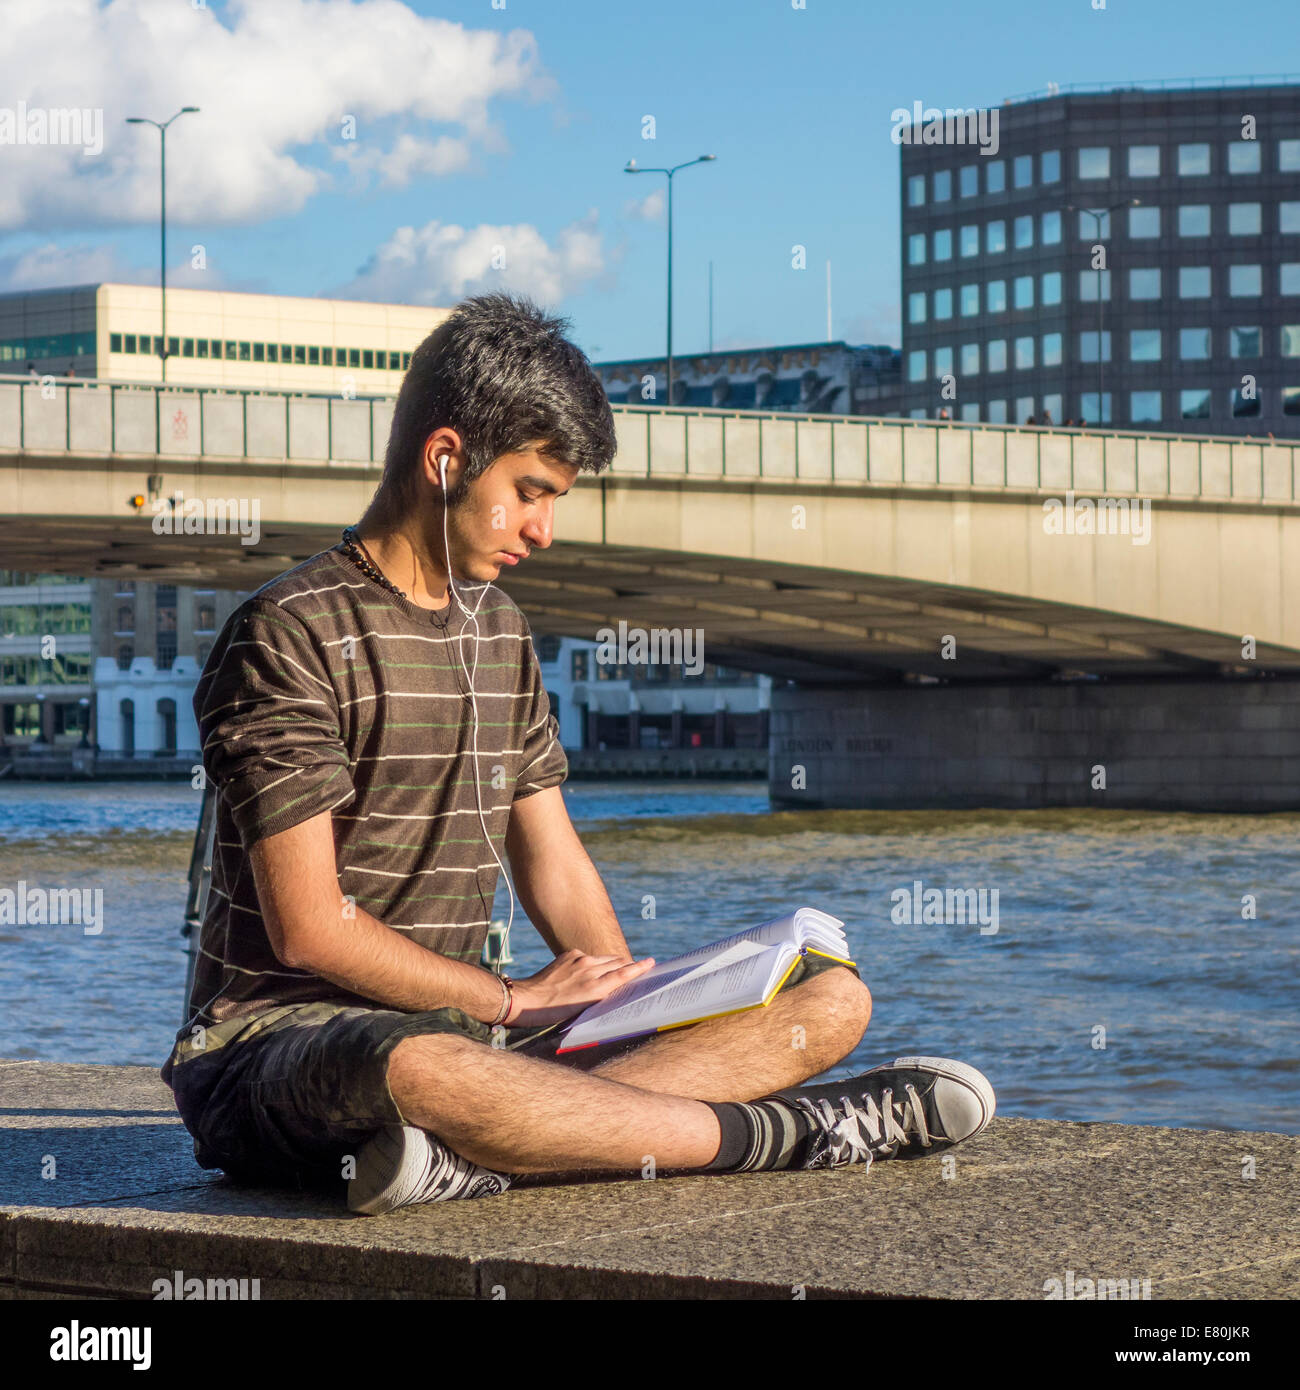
(279, 1099)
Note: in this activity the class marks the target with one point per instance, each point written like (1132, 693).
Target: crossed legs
(519, 1114)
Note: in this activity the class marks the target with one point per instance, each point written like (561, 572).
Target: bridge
(1080, 568)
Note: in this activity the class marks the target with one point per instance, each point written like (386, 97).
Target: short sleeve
(269, 723)
(544, 763)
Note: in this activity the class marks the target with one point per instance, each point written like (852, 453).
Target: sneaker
(402, 1165)
(906, 1108)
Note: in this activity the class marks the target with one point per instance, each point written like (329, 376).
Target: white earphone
(504, 950)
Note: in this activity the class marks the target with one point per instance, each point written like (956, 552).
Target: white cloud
(647, 209)
(441, 263)
(276, 83)
(51, 266)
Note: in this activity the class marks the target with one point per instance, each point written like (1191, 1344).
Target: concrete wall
(1196, 745)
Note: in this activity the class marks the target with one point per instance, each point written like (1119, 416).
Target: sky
(419, 151)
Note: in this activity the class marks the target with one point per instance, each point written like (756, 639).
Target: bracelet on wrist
(507, 1002)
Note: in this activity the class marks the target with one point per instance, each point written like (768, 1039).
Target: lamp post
(162, 202)
(632, 168)
(1097, 215)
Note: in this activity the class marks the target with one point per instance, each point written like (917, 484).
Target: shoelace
(857, 1134)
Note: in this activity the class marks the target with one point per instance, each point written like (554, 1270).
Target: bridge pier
(1176, 745)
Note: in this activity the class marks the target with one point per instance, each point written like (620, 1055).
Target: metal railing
(174, 423)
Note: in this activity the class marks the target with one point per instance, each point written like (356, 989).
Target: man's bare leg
(530, 1115)
(801, 1033)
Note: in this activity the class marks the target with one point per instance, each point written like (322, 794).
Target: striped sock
(759, 1135)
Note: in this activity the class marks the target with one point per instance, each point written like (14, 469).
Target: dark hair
(501, 373)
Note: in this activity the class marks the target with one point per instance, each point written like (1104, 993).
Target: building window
(406, 360)
(943, 244)
(1243, 157)
(1194, 219)
(1052, 350)
(206, 619)
(1023, 232)
(259, 352)
(1023, 171)
(1244, 342)
(1193, 160)
(1242, 401)
(1050, 233)
(943, 304)
(187, 347)
(1143, 223)
(970, 359)
(1088, 346)
(915, 372)
(916, 307)
(1094, 226)
(916, 249)
(995, 176)
(1088, 285)
(579, 664)
(1245, 281)
(1144, 284)
(125, 618)
(970, 412)
(970, 240)
(995, 297)
(1094, 162)
(1289, 277)
(125, 588)
(942, 185)
(1288, 156)
(125, 656)
(1024, 354)
(1023, 292)
(995, 355)
(548, 649)
(1291, 400)
(1291, 340)
(1051, 408)
(996, 412)
(1288, 217)
(1194, 344)
(943, 361)
(128, 342)
(1144, 345)
(969, 181)
(1194, 282)
(313, 356)
(1144, 407)
(115, 342)
(1144, 161)
(232, 349)
(916, 191)
(995, 237)
(1088, 412)
(970, 301)
(1049, 166)
(1245, 219)
(1194, 404)
(1024, 408)
(1051, 288)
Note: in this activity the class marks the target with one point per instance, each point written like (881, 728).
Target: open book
(740, 972)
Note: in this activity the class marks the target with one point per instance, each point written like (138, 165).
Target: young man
(376, 724)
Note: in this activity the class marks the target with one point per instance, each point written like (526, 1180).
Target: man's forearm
(378, 962)
(566, 901)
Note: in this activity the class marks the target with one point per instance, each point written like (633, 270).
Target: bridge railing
(189, 422)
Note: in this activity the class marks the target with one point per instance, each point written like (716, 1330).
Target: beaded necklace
(360, 556)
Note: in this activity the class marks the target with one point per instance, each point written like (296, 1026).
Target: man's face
(507, 511)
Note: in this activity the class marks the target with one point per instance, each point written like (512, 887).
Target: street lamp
(1097, 215)
(162, 278)
(632, 168)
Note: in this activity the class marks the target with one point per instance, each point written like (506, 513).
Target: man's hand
(568, 985)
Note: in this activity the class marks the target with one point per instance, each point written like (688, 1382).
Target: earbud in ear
(442, 465)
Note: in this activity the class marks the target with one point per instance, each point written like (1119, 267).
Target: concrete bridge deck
(1029, 1202)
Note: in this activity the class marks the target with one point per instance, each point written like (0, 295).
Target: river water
(1143, 967)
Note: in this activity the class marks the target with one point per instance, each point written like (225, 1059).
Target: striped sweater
(326, 692)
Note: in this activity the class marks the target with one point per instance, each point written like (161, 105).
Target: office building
(1126, 256)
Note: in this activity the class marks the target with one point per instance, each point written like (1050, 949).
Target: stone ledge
(1028, 1201)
